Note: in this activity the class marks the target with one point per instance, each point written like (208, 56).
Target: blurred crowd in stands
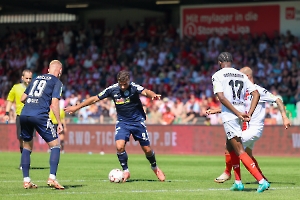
(179, 69)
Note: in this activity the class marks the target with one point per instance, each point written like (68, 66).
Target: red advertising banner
(176, 139)
(233, 20)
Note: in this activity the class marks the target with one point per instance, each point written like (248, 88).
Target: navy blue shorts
(137, 129)
(43, 126)
(18, 124)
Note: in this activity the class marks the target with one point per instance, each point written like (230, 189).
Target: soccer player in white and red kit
(231, 86)
(253, 130)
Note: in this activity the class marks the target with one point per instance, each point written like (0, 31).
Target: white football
(115, 176)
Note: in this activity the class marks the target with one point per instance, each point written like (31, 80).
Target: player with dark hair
(14, 95)
(230, 86)
(130, 118)
(44, 90)
(253, 130)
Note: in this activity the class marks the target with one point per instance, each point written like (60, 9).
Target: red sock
(256, 164)
(228, 166)
(250, 166)
(235, 160)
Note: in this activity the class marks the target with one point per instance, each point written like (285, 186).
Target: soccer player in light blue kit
(43, 91)
(131, 117)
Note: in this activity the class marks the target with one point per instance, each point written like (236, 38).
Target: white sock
(238, 182)
(52, 176)
(26, 179)
(261, 181)
(126, 170)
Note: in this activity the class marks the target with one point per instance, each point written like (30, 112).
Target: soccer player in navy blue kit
(131, 117)
(43, 91)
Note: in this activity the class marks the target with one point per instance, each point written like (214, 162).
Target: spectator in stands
(192, 110)
(154, 116)
(181, 58)
(168, 117)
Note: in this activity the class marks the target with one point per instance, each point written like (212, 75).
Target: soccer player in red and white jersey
(253, 130)
(230, 86)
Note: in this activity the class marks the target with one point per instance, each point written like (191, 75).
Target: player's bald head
(246, 70)
(55, 68)
(55, 64)
(249, 73)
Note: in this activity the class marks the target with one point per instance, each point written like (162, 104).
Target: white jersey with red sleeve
(258, 116)
(234, 85)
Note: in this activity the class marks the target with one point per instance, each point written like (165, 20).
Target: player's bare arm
(254, 102)
(151, 94)
(226, 103)
(87, 102)
(55, 109)
(63, 121)
(281, 108)
(23, 98)
(213, 111)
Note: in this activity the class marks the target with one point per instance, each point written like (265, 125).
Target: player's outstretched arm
(213, 111)
(281, 108)
(87, 102)
(150, 94)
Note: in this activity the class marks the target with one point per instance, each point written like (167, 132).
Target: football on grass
(115, 176)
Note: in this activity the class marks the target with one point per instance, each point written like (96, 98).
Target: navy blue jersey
(40, 93)
(128, 104)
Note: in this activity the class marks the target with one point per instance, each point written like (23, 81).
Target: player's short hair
(123, 76)
(225, 57)
(26, 71)
(55, 61)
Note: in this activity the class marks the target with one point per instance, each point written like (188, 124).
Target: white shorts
(251, 135)
(233, 128)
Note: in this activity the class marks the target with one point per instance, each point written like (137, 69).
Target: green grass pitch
(85, 176)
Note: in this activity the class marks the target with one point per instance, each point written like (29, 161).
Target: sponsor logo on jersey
(30, 100)
(126, 93)
(122, 101)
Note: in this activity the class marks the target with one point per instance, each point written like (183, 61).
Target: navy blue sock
(21, 150)
(54, 159)
(25, 161)
(152, 159)
(123, 158)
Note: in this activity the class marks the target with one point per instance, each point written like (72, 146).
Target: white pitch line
(96, 180)
(136, 191)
